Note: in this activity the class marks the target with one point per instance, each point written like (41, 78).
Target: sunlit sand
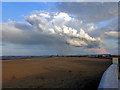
(54, 72)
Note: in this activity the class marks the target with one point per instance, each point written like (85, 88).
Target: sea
(21, 57)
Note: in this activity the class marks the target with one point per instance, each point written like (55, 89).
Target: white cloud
(47, 29)
(77, 42)
(64, 16)
(45, 15)
(112, 35)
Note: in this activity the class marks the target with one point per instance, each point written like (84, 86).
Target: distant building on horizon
(100, 56)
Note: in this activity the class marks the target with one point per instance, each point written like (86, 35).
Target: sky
(63, 28)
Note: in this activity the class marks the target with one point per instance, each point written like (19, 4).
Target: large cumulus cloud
(50, 29)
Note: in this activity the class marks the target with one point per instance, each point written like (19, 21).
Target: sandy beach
(53, 72)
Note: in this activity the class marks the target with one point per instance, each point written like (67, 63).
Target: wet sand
(53, 72)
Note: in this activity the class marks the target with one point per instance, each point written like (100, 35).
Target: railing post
(116, 61)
